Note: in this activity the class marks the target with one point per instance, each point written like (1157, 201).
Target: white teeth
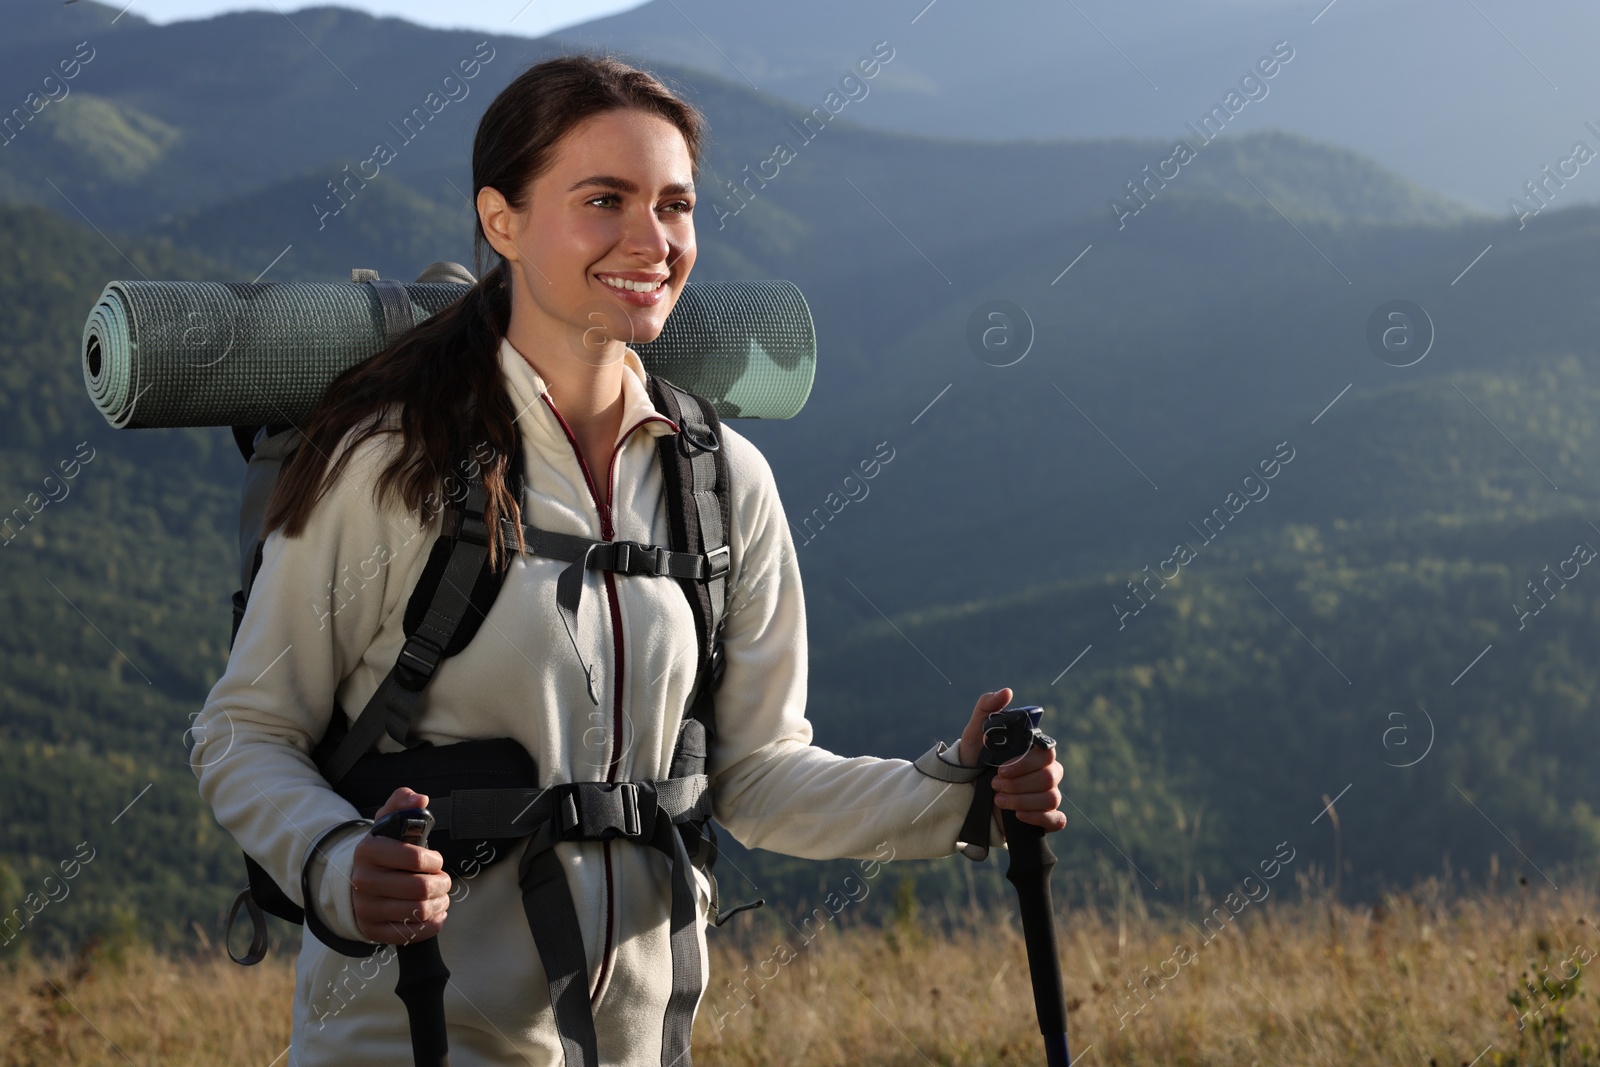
(637, 287)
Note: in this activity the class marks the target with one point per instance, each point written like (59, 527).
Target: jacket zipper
(607, 533)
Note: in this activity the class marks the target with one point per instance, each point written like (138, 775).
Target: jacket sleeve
(771, 787)
(314, 609)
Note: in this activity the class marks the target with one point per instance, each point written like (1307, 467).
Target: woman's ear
(500, 223)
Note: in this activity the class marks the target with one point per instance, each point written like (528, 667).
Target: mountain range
(1172, 329)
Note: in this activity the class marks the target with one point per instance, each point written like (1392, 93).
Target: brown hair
(444, 374)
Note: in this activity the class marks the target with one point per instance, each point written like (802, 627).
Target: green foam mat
(176, 353)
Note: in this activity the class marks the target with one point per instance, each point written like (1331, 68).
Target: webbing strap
(621, 557)
(626, 557)
(553, 919)
(696, 490)
(678, 1020)
(500, 813)
(258, 930)
(398, 698)
(395, 302)
(974, 830)
(703, 465)
(319, 929)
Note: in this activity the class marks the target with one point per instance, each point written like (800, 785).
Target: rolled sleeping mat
(175, 353)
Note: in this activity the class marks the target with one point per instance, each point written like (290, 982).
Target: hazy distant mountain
(166, 123)
(1461, 98)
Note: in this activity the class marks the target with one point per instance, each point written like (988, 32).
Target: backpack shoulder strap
(270, 449)
(699, 509)
(454, 594)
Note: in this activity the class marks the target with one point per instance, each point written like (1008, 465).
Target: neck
(587, 392)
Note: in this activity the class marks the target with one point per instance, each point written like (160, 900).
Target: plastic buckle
(418, 659)
(599, 811)
(636, 557)
(718, 562)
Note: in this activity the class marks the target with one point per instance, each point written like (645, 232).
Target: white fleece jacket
(325, 620)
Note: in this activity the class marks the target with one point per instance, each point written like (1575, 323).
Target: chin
(646, 333)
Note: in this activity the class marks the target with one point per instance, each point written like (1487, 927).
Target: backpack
(487, 790)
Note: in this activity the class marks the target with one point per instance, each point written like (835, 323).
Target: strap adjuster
(599, 811)
(717, 562)
(417, 661)
(465, 525)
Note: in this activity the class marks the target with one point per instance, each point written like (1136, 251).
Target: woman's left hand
(1027, 785)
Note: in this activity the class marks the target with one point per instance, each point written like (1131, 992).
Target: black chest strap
(585, 553)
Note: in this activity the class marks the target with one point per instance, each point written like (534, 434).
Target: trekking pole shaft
(1029, 871)
(423, 976)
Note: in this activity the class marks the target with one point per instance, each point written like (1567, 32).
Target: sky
(528, 18)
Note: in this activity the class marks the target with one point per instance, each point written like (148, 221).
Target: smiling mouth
(629, 285)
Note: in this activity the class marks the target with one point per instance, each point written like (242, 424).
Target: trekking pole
(423, 974)
(1008, 735)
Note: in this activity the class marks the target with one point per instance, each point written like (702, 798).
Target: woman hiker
(583, 170)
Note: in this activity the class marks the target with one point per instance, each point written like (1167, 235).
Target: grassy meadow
(1429, 976)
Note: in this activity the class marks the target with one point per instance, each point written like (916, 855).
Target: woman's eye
(681, 207)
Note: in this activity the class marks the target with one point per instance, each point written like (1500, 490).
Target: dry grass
(120, 1005)
(1421, 979)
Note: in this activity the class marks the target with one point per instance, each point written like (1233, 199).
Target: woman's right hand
(401, 892)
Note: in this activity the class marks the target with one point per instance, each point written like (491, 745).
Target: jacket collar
(527, 387)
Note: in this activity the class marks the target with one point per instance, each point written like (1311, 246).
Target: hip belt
(671, 815)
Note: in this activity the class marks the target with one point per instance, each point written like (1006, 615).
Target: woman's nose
(645, 235)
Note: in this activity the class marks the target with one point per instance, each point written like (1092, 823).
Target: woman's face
(615, 205)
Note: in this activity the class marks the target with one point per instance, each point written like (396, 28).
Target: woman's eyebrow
(624, 185)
